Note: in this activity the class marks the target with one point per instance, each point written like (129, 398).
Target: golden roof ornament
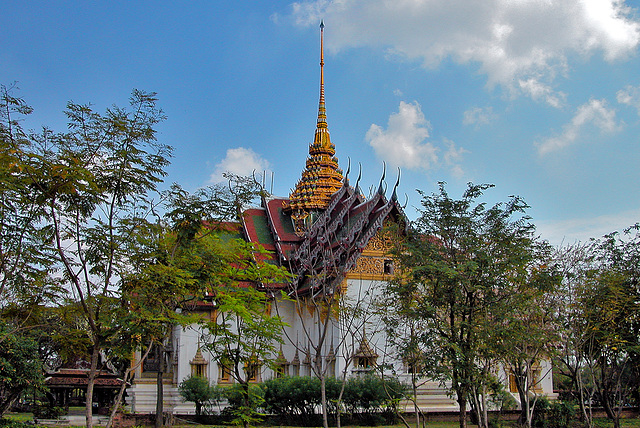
(321, 177)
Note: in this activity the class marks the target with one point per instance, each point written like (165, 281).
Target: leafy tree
(611, 310)
(571, 360)
(244, 335)
(461, 262)
(25, 263)
(20, 366)
(525, 332)
(181, 258)
(599, 312)
(88, 191)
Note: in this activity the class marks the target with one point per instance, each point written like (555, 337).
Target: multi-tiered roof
(319, 232)
(321, 177)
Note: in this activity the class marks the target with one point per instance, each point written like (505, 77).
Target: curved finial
(406, 201)
(384, 173)
(394, 196)
(359, 177)
(346, 175)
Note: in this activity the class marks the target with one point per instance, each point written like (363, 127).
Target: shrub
(292, 397)
(9, 423)
(296, 399)
(553, 414)
(372, 394)
(197, 390)
(48, 412)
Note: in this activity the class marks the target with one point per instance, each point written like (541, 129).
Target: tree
(90, 188)
(244, 334)
(575, 355)
(20, 366)
(525, 336)
(611, 310)
(458, 264)
(25, 263)
(600, 313)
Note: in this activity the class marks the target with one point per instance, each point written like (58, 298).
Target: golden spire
(322, 177)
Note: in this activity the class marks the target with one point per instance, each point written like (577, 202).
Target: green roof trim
(262, 229)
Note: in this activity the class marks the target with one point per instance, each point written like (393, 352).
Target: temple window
(388, 267)
(513, 385)
(252, 370)
(331, 363)
(199, 365)
(281, 365)
(224, 373)
(365, 358)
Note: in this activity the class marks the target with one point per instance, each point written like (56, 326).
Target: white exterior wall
(344, 335)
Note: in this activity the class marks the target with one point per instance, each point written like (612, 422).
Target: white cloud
(630, 96)
(522, 45)
(478, 116)
(583, 229)
(403, 143)
(239, 161)
(594, 113)
(453, 157)
(538, 90)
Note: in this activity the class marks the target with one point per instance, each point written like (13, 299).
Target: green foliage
(74, 203)
(20, 366)
(245, 402)
(46, 411)
(370, 393)
(198, 390)
(600, 313)
(10, 423)
(25, 259)
(296, 396)
(462, 265)
(553, 414)
(295, 399)
(244, 335)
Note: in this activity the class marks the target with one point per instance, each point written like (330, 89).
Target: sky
(539, 97)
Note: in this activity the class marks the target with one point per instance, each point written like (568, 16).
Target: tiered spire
(322, 177)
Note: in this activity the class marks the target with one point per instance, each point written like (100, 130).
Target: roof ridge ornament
(381, 188)
(346, 175)
(394, 196)
(357, 187)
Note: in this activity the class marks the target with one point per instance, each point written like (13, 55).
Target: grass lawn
(19, 417)
(599, 423)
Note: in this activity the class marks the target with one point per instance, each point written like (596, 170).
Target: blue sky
(539, 97)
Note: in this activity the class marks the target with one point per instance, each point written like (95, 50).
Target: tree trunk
(485, 410)
(525, 415)
(462, 403)
(8, 401)
(414, 390)
(323, 395)
(125, 379)
(247, 404)
(160, 388)
(612, 414)
(95, 355)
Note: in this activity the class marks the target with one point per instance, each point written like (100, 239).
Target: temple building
(332, 239)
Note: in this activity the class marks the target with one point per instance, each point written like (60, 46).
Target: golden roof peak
(322, 176)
